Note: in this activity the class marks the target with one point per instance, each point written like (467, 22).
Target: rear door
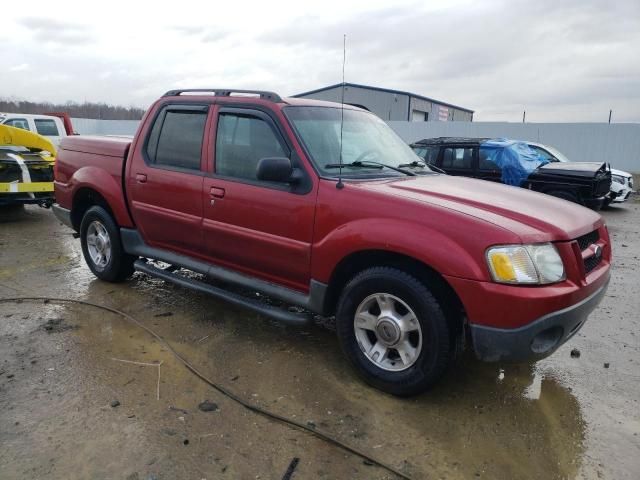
(165, 177)
(51, 128)
(487, 168)
(261, 228)
(457, 160)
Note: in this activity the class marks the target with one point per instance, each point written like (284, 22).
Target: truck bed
(107, 153)
(96, 162)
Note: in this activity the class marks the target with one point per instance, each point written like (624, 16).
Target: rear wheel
(102, 248)
(394, 331)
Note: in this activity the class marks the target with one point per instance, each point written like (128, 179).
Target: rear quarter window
(47, 127)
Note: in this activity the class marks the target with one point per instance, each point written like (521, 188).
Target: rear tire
(102, 248)
(383, 308)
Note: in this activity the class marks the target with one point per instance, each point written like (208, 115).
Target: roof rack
(265, 95)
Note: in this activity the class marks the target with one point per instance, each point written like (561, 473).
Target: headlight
(528, 264)
(618, 179)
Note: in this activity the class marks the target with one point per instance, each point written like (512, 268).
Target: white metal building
(392, 105)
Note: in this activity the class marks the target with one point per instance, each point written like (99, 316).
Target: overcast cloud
(559, 60)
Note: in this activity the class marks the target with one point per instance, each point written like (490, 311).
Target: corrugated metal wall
(618, 143)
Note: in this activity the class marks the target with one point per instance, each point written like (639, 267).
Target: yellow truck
(26, 168)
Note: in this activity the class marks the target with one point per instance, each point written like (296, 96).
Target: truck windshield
(365, 138)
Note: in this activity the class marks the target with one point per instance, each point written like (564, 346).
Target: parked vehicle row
(322, 206)
(516, 163)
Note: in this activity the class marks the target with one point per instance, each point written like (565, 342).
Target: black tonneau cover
(577, 169)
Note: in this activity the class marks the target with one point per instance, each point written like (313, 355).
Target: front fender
(425, 244)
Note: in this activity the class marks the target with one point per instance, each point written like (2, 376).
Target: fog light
(546, 340)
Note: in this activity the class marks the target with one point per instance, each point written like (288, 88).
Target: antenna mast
(340, 185)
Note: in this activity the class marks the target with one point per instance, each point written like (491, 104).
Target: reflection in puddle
(532, 392)
(470, 425)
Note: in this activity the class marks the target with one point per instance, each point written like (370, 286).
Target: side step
(279, 314)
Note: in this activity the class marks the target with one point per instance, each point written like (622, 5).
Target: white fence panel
(91, 126)
(617, 143)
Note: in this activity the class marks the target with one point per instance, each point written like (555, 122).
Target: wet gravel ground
(73, 406)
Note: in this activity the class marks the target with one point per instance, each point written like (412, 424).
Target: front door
(262, 228)
(165, 178)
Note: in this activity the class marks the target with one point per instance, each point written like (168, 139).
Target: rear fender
(100, 181)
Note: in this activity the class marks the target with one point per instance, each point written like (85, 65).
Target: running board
(279, 314)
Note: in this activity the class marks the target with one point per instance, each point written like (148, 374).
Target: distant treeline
(78, 110)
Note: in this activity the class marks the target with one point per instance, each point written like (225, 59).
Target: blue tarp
(515, 159)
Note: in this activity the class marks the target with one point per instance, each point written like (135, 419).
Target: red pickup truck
(323, 207)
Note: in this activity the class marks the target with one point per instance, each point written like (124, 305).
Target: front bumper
(535, 340)
(594, 203)
(623, 195)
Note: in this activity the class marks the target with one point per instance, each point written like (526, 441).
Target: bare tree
(74, 109)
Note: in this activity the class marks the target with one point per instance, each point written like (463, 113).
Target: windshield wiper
(415, 163)
(369, 164)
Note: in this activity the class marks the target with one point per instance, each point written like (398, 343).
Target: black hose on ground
(228, 393)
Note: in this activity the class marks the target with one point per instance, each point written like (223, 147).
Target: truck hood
(576, 169)
(533, 216)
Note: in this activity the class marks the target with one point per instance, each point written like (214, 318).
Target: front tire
(393, 331)
(102, 248)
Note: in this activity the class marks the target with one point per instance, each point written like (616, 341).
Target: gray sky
(560, 60)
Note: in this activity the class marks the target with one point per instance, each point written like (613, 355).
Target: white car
(45, 125)
(621, 181)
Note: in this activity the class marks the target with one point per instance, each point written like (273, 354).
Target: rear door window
(457, 157)
(18, 123)
(176, 137)
(484, 162)
(46, 127)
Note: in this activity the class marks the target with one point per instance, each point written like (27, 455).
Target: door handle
(217, 192)
(141, 178)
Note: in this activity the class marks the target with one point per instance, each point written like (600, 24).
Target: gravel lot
(71, 406)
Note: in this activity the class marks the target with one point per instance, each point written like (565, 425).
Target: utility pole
(610, 112)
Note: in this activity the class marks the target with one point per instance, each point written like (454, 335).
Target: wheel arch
(356, 262)
(83, 199)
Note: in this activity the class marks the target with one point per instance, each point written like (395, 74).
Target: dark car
(515, 163)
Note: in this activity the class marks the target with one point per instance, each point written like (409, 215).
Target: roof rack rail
(265, 95)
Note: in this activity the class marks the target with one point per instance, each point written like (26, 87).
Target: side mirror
(276, 169)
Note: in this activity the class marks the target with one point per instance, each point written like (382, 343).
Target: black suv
(579, 182)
